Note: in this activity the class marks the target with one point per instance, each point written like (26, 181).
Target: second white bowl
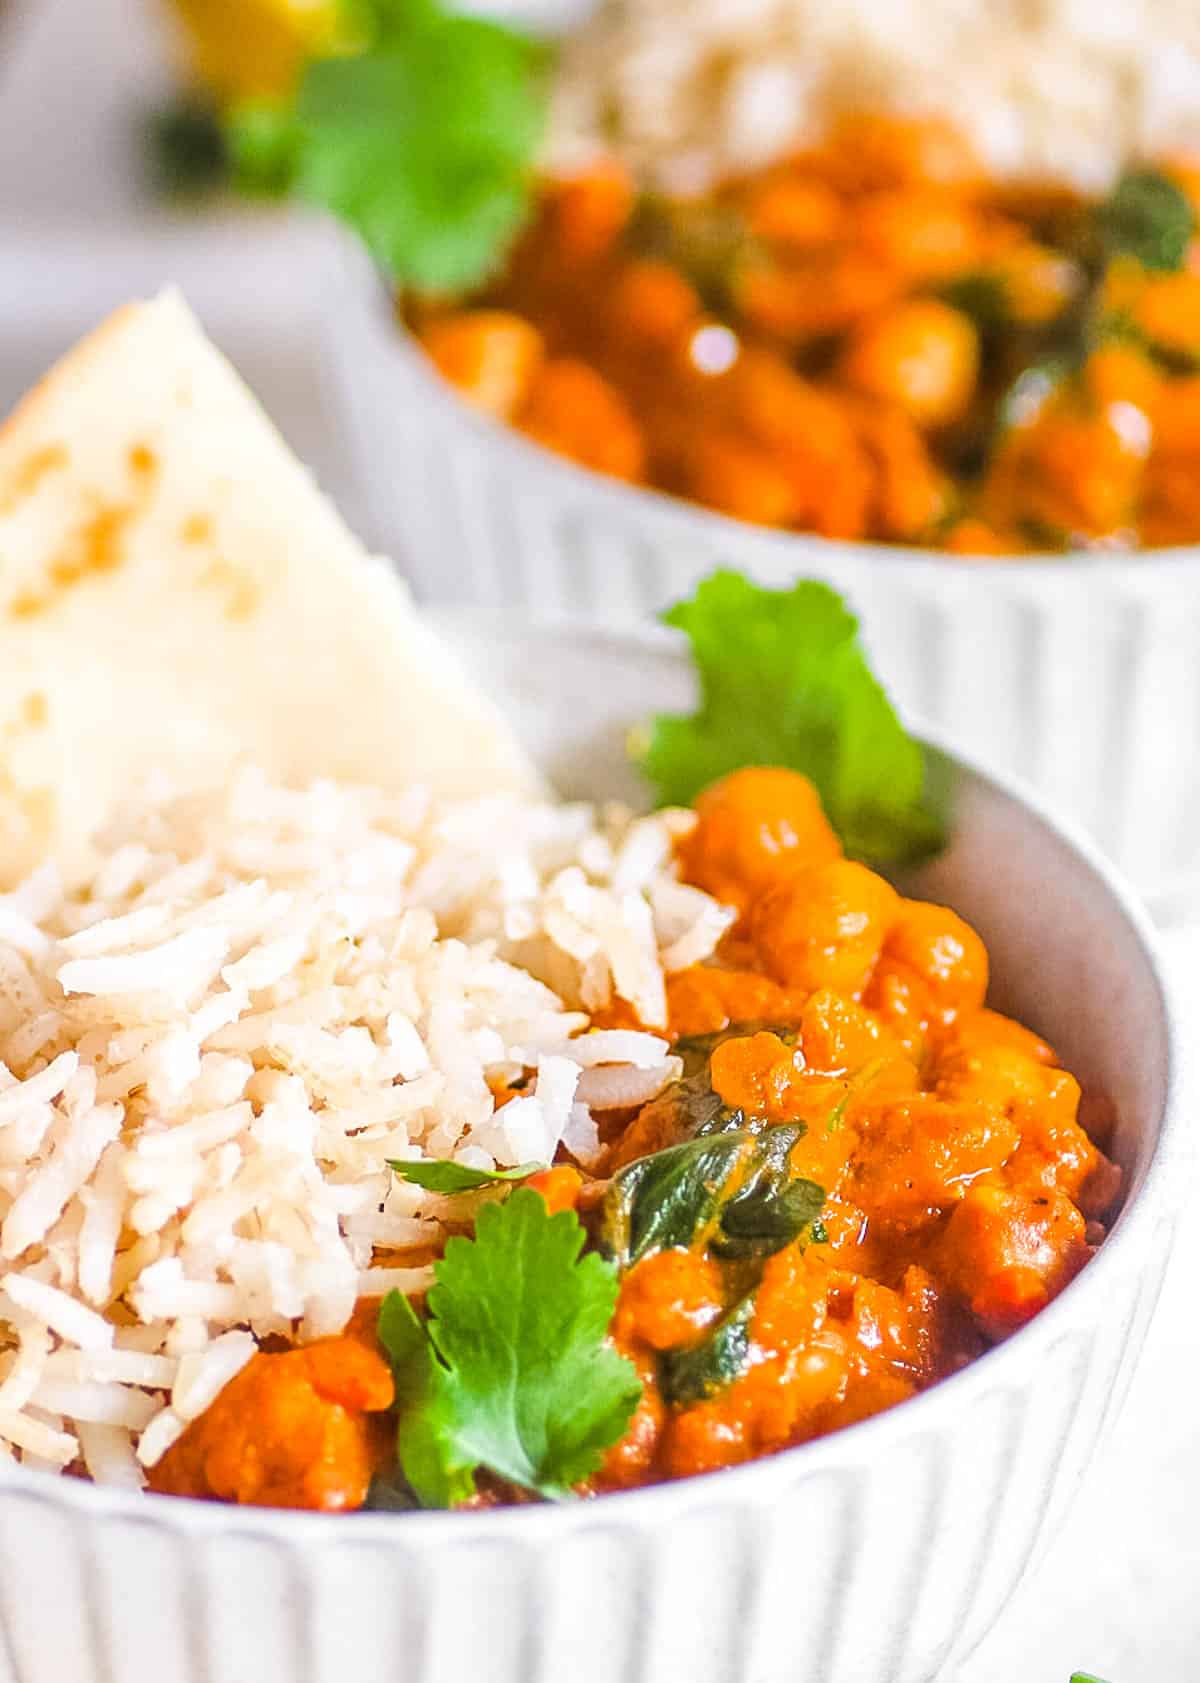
(1081, 674)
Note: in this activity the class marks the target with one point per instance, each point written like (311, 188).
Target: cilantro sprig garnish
(784, 681)
(511, 1370)
(423, 140)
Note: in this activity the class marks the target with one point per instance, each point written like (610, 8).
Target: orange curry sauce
(961, 1190)
(870, 340)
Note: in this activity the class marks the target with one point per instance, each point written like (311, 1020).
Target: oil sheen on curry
(861, 1179)
(869, 340)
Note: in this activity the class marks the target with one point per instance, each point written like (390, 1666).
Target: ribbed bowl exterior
(1082, 676)
(849, 1567)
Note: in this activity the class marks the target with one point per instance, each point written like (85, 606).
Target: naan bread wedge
(176, 595)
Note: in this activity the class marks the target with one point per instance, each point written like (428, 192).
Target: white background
(1120, 1592)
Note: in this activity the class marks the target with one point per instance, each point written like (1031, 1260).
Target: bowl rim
(753, 1482)
(778, 547)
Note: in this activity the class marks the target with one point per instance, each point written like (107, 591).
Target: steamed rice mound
(210, 1046)
(691, 91)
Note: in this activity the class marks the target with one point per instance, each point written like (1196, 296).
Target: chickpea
(976, 537)
(573, 410)
(826, 294)
(1008, 1253)
(1176, 415)
(589, 212)
(899, 999)
(813, 436)
(870, 149)
(753, 827)
(825, 926)
(792, 211)
(1122, 374)
(910, 494)
(291, 1430)
(996, 1075)
(760, 1074)
(706, 998)
(489, 356)
(1168, 312)
(741, 480)
(924, 1153)
(923, 234)
(984, 1029)
(944, 952)
(652, 303)
(837, 1035)
(1038, 284)
(778, 407)
(1070, 471)
(921, 355)
(669, 1298)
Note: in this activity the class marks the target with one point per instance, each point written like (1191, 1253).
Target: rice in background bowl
(690, 93)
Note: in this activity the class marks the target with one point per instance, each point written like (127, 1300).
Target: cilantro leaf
(439, 1176)
(438, 1475)
(512, 1371)
(423, 141)
(784, 681)
(1147, 217)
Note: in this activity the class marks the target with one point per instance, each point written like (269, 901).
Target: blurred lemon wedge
(251, 49)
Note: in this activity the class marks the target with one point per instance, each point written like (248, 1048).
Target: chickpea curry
(861, 1179)
(870, 341)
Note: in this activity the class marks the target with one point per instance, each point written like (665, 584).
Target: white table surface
(1119, 1593)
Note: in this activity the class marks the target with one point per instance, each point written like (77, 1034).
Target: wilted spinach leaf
(1147, 217)
(689, 1376)
(731, 1190)
(764, 1220)
(757, 1220)
(694, 1107)
(673, 1197)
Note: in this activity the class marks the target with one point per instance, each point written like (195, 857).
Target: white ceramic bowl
(883, 1552)
(1081, 675)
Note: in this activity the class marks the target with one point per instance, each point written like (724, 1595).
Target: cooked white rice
(693, 90)
(210, 1047)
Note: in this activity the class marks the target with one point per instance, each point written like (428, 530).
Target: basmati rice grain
(201, 1376)
(62, 1313)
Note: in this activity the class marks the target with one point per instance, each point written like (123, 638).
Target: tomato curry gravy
(863, 1178)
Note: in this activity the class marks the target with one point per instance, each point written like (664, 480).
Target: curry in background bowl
(870, 340)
